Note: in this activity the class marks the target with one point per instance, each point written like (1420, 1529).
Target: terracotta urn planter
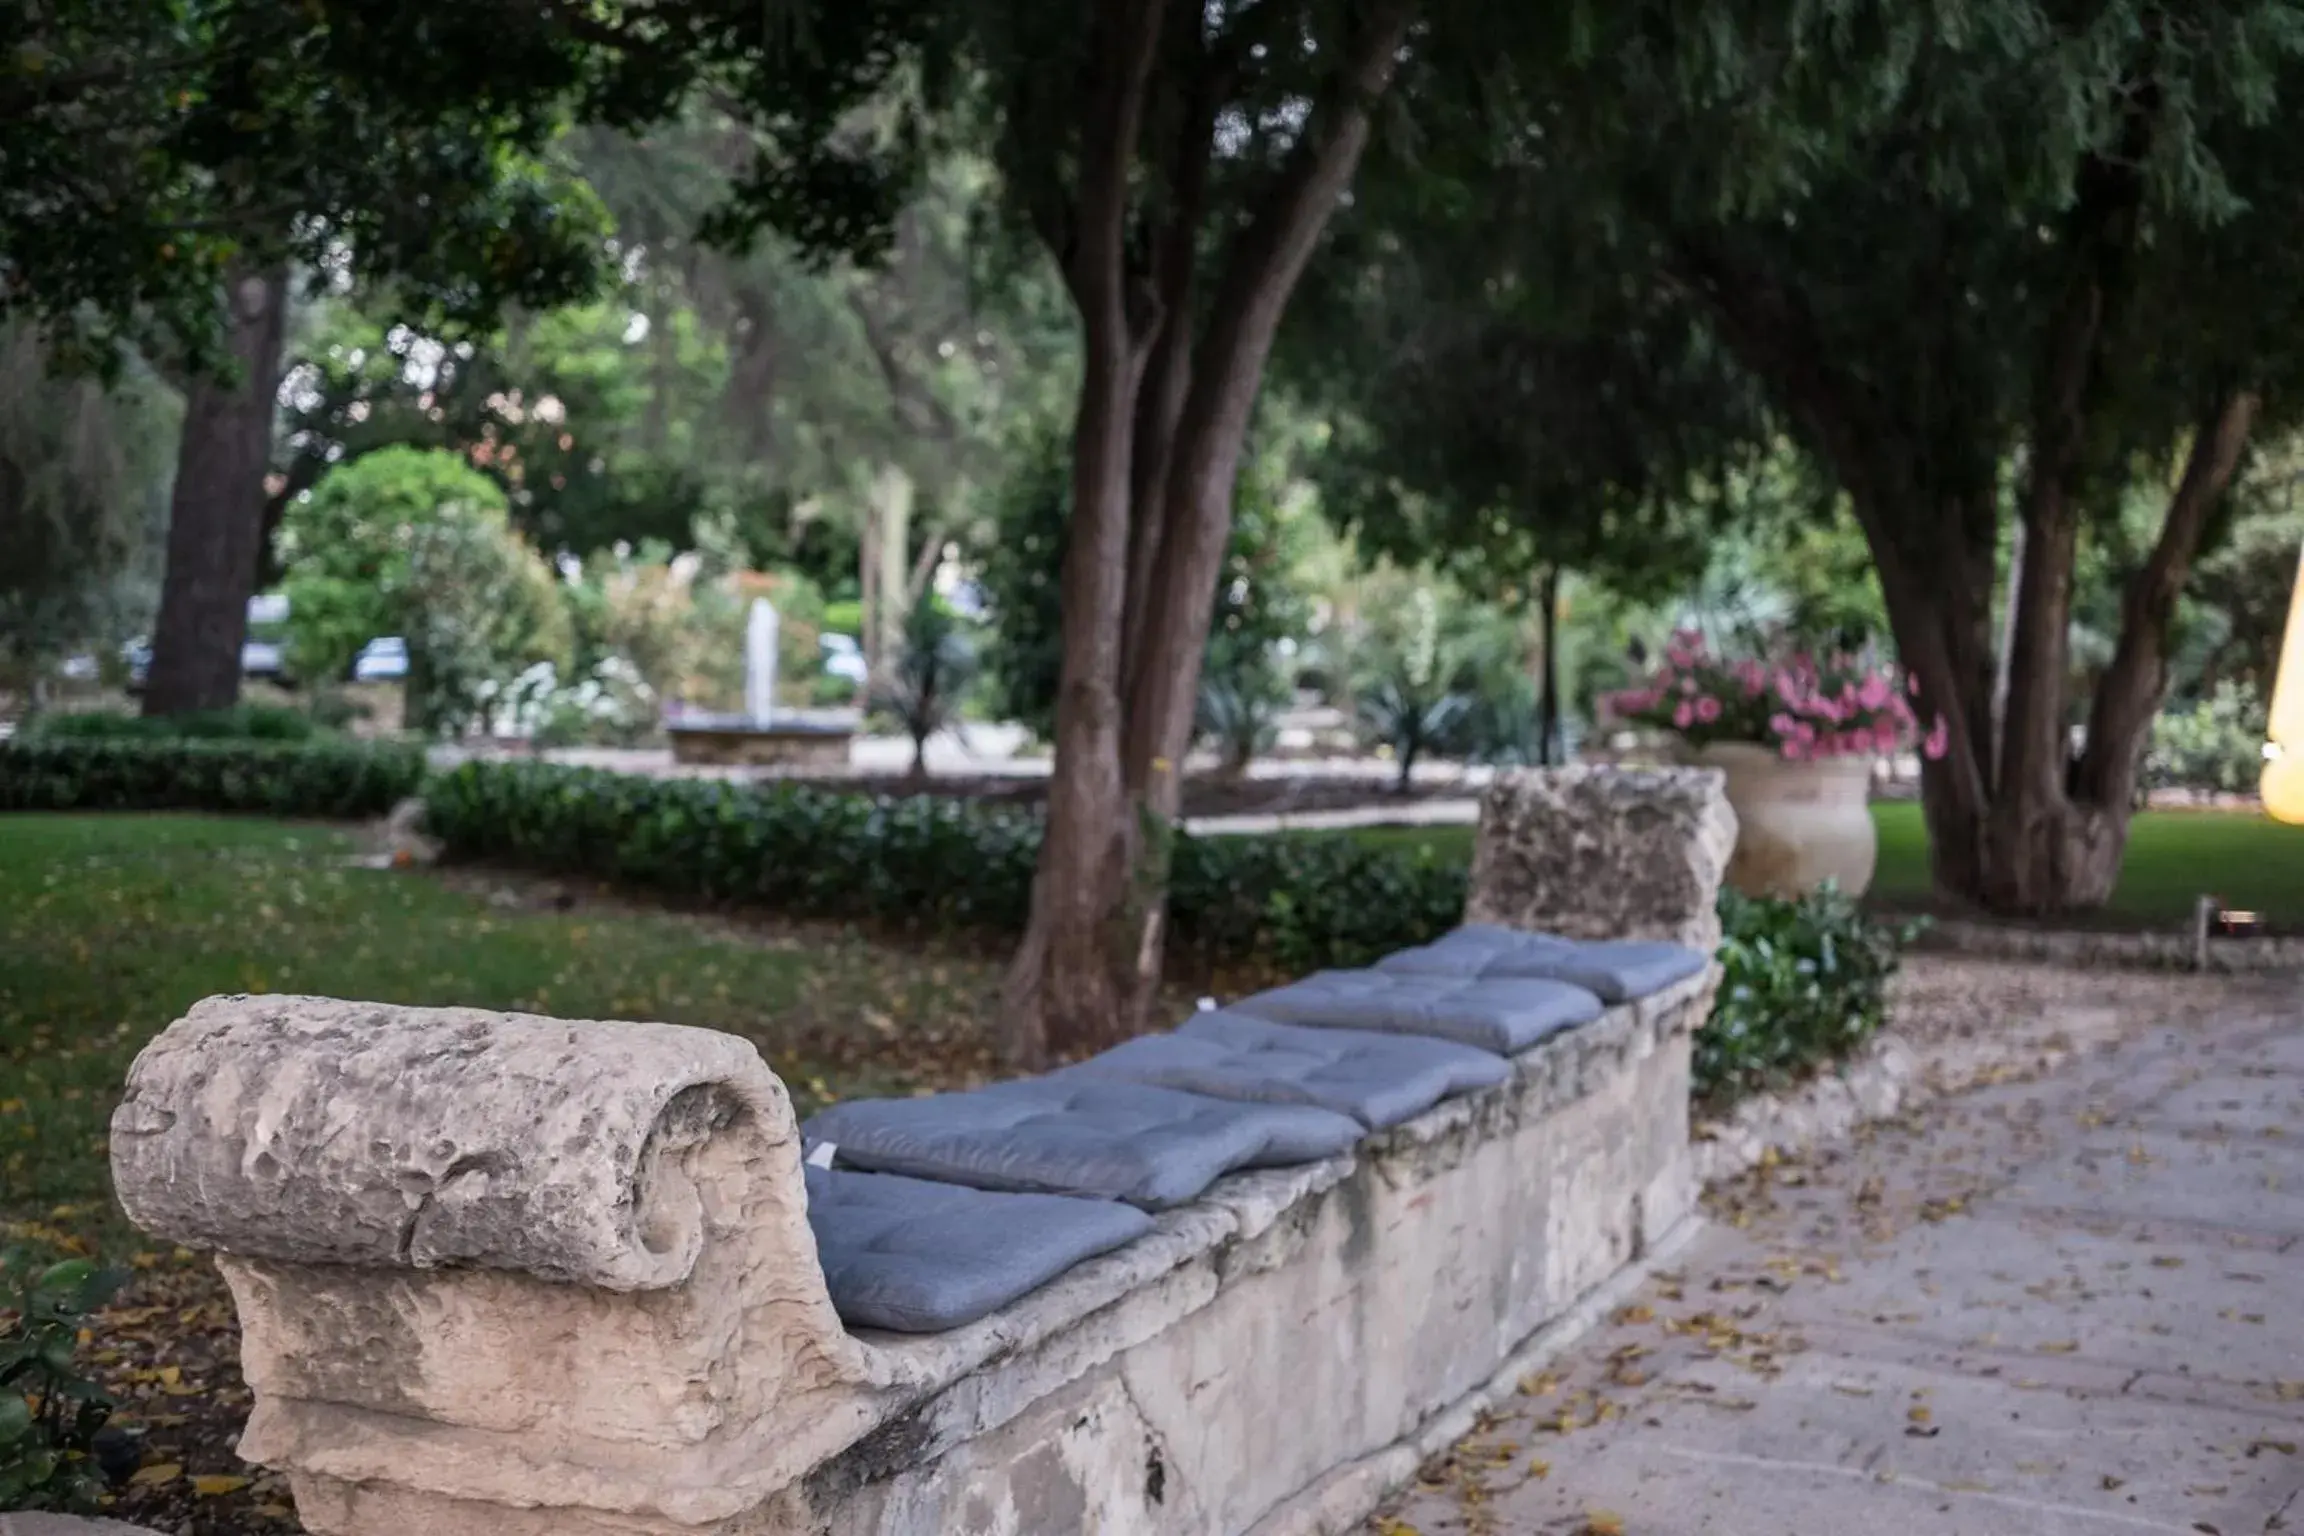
(1798, 824)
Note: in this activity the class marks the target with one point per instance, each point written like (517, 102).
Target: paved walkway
(2070, 1308)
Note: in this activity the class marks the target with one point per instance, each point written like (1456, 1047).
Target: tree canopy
(1988, 266)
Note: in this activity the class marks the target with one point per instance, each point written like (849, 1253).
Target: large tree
(167, 171)
(1182, 163)
(164, 170)
(1993, 267)
(2061, 263)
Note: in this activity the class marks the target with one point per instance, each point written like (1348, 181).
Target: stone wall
(2139, 951)
(501, 1275)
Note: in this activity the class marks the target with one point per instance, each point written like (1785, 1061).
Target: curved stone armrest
(500, 1261)
(315, 1131)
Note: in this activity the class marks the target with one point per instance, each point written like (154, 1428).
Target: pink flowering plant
(1804, 706)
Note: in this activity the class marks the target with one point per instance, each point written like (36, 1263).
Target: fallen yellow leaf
(1601, 1523)
(156, 1474)
(216, 1485)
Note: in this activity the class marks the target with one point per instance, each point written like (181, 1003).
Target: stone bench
(516, 1276)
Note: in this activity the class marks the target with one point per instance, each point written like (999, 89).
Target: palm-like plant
(922, 684)
(1411, 711)
(1242, 695)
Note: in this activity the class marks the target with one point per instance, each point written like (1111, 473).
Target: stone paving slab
(2024, 1304)
(65, 1525)
(2058, 1309)
(2243, 1185)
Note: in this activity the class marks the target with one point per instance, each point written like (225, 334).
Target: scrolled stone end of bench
(491, 1262)
(1599, 852)
(314, 1131)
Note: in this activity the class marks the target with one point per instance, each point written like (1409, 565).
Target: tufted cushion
(1505, 1015)
(917, 1257)
(1377, 1079)
(1075, 1135)
(1617, 970)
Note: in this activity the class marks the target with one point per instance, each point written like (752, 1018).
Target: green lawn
(2249, 860)
(110, 926)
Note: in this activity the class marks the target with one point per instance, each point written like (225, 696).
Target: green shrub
(417, 543)
(926, 861)
(1806, 984)
(921, 861)
(49, 1413)
(1306, 903)
(2216, 743)
(241, 722)
(319, 778)
(1805, 980)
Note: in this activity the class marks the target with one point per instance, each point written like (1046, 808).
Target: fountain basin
(739, 741)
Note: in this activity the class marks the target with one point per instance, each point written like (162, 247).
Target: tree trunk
(2129, 693)
(1548, 690)
(868, 595)
(892, 514)
(2054, 832)
(216, 513)
(1062, 990)
(2007, 646)
(1195, 507)
(1092, 952)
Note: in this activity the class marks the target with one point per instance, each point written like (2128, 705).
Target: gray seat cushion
(1616, 970)
(1470, 950)
(916, 1257)
(1377, 1079)
(1072, 1135)
(1504, 1015)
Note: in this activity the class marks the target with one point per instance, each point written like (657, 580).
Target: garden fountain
(763, 736)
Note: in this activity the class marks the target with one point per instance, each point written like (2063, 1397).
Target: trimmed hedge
(241, 722)
(1806, 984)
(927, 861)
(323, 778)
(1806, 981)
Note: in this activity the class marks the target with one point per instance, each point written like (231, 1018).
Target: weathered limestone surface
(1604, 853)
(1343, 1310)
(508, 1276)
(513, 1259)
(307, 1129)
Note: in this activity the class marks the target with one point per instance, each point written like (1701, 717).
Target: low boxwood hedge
(320, 778)
(239, 722)
(927, 861)
(1805, 983)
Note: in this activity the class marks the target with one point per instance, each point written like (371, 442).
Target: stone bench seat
(915, 1257)
(1377, 1079)
(500, 1275)
(1504, 1016)
(1614, 970)
(1070, 1134)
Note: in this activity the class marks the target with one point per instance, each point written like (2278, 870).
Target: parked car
(258, 658)
(381, 660)
(843, 658)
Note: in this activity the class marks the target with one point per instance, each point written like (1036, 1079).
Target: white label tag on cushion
(821, 1156)
(1207, 1005)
